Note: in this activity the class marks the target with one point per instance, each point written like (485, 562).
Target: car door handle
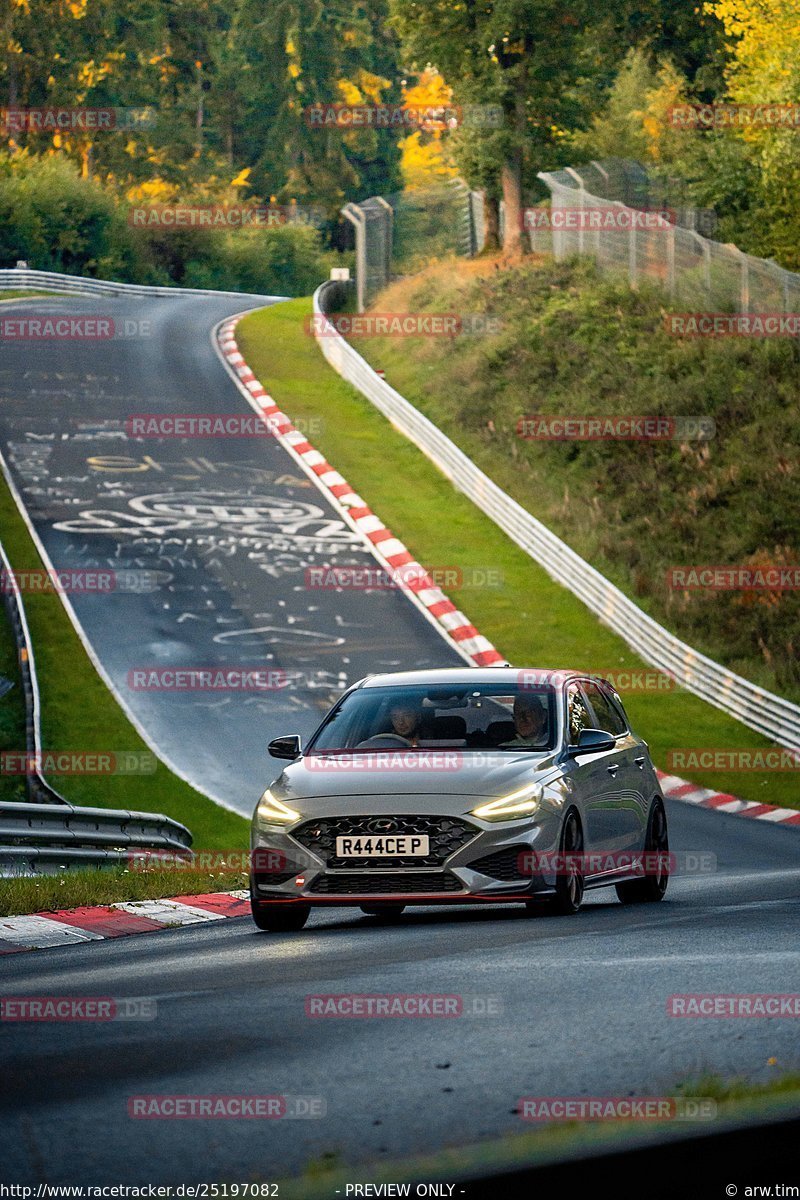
(640, 763)
(612, 770)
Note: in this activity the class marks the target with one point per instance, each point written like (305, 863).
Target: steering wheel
(384, 740)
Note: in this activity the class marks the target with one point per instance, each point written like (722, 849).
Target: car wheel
(569, 883)
(652, 887)
(386, 913)
(280, 918)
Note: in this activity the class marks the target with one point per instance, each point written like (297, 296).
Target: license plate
(407, 845)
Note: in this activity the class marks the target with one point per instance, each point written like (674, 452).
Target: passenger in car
(530, 722)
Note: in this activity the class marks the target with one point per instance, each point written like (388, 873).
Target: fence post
(671, 261)
(744, 281)
(389, 240)
(357, 218)
(706, 250)
(581, 202)
(477, 216)
(599, 167)
(557, 235)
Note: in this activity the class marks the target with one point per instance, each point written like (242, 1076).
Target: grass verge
(532, 620)
(75, 889)
(79, 713)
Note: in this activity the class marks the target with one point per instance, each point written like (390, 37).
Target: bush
(287, 260)
(57, 221)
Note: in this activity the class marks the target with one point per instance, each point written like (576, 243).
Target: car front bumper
(491, 863)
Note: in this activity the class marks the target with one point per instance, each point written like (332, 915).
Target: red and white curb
(678, 789)
(72, 926)
(390, 552)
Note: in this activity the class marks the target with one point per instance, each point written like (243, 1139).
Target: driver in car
(530, 723)
(405, 723)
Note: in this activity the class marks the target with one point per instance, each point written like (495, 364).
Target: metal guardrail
(49, 833)
(25, 279)
(39, 791)
(37, 838)
(760, 710)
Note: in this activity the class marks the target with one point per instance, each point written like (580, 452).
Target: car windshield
(480, 716)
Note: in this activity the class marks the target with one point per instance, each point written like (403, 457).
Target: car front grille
(447, 834)
(504, 865)
(353, 884)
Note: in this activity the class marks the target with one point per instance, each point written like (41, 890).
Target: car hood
(448, 773)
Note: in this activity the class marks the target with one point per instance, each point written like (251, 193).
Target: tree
(228, 82)
(534, 59)
(426, 156)
(305, 52)
(765, 70)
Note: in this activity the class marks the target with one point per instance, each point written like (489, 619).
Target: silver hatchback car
(460, 785)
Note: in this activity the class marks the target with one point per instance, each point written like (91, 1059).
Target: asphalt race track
(578, 1005)
(582, 1013)
(213, 538)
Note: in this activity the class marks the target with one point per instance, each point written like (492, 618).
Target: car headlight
(274, 812)
(510, 808)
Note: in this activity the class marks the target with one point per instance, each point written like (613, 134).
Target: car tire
(570, 884)
(387, 914)
(280, 917)
(651, 888)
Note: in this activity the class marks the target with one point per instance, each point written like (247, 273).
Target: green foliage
(57, 221)
(227, 81)
(749, 176)
(618, 130)
(282, 261)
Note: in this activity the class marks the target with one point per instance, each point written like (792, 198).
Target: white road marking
(169, 912)
(35, 931)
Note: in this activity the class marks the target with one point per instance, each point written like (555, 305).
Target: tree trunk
(512, 199)
(491, 222)
(513, 237)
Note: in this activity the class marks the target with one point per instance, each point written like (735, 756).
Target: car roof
(458, 675)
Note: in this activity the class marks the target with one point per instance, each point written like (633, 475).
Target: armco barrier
(42, 838)
(51, 834)
(39, 791)
(755, 707)
(23, 279)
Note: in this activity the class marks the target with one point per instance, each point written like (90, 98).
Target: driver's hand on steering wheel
(379, 740)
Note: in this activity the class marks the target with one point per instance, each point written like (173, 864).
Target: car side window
(606, 714)
(577, 713)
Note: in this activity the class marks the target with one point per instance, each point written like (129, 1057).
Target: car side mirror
(285, 747)
(592, 741)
